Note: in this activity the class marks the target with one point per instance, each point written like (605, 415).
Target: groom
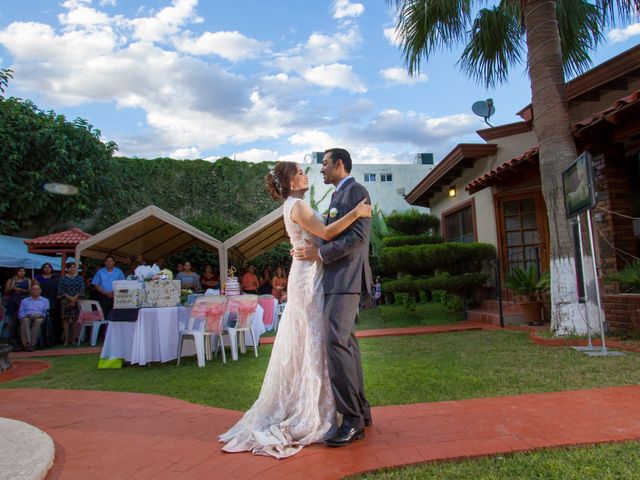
(347, 275)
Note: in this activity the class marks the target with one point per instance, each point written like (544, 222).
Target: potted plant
(628, 278)
(530, 285)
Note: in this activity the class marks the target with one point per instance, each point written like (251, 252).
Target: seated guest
(103, 283)
(70, 289)
(161, 263)
(265, 282)
(249, 281)
(32, 313)
(189, 280)
(209, 279)
(279, 283)
(180, 268)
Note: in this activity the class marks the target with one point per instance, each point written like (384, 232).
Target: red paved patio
(107, 435)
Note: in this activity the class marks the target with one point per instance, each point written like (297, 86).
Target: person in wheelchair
(33, 311)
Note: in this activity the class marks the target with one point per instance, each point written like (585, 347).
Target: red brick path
(107, 435)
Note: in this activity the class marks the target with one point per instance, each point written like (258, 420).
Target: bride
(295, 406)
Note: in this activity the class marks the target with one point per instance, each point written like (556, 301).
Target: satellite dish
(484, 109)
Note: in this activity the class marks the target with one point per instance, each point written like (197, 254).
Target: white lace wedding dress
(296, 406)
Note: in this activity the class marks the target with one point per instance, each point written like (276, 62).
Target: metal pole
(595, 276)
(499, 286)
(584, 282)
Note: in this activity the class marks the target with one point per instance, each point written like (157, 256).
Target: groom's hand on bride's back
(307, 252)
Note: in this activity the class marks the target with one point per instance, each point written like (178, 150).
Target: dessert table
(153, 336)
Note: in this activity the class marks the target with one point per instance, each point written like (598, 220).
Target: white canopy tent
(256, 239)
(152, 233)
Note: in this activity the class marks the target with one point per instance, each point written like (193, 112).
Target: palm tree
(556, 37)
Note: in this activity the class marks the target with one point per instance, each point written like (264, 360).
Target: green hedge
(402, 240)
(457, 284)
(411, 222)
(421, 260)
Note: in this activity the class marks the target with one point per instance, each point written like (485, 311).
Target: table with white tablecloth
(153, 337)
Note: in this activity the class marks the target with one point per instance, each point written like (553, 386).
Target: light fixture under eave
(452, 191)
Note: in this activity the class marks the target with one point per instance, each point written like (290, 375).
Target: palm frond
(616, 12)
(495, 44)
(425, 25)
(580, 24)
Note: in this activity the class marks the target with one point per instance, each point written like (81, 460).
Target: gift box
(161, 293)
(128, 294)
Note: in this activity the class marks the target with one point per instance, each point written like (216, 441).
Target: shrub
(459, 284)
(421, 260)
(402, 240)
(628, 278)
(411, 222)
(527, 282)
(408, 302)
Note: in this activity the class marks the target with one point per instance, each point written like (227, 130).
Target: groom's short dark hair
(340, 154)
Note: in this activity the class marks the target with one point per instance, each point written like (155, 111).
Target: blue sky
(251, 79)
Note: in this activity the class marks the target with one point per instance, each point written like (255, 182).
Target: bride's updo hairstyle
(278, 180)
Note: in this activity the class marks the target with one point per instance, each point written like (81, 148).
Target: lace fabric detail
(295, 406)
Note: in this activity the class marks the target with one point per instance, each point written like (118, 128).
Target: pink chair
(244, 306)
(209, 310)
(269, 304)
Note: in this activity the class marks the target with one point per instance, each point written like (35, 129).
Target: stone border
(28, 455)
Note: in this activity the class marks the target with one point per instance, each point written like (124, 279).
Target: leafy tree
(555, 37)
(38, 147)
(5, 75)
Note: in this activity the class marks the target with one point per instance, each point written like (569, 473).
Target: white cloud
(400, 75)
(112, 3)
(232, 46)
(166, 22)
(315, 140)
(81, 15)
(391, 35)
(185, 153)
(394, 126)
(256, 155)
(618, 35)
(344, 8)
(336, 75)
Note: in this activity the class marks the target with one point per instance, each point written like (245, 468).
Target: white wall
(383, 194)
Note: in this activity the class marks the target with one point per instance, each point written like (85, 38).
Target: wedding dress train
(295, 406)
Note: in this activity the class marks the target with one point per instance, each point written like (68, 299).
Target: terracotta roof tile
(488, 178)
(69, 237)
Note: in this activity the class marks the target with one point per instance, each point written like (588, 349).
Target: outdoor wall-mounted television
(577, 183)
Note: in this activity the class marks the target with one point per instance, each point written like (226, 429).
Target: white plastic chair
(245, 307)
(279, 312)
(92, 310)
(210, 311)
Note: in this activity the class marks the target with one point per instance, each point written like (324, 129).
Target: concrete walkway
(106, 435)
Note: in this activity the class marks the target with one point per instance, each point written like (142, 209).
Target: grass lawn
(398, 370)
(393, 316)
(598, 462)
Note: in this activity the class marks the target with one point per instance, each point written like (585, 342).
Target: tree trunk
(551, 125)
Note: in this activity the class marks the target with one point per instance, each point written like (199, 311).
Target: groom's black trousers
(343, 358)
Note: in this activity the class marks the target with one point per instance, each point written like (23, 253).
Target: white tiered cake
(233, 286)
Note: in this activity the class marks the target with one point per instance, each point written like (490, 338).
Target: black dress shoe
(344, 436)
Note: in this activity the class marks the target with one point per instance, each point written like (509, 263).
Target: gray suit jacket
(346, 257)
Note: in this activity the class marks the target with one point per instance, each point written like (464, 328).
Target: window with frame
(369, 177)
(386, 177)
(459, 226)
